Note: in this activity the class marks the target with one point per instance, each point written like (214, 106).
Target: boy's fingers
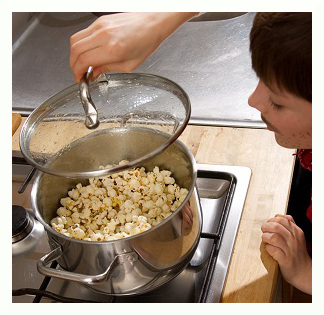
(276, 253)
(285, 222)
(275, 240)
(287, 216)
(274, 227)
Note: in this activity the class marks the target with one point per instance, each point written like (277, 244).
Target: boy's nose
(256, 99)
(251, 99)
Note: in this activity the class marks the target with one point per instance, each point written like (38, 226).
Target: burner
(21, 223)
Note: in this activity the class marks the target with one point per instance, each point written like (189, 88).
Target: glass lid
(104, 127)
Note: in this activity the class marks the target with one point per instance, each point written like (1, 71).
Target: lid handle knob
(91, 121)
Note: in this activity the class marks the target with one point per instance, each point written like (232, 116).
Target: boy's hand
(285, 242)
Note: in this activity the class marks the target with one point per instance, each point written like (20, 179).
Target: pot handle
(67, 275)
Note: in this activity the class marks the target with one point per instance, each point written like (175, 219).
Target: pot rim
(51, 230)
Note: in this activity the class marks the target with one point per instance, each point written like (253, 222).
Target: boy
(281, 48)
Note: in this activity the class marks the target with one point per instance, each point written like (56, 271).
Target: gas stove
(222, 191)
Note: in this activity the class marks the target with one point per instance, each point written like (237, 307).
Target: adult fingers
(81, 35)
(86, 32)
(80, 48)
(94, 57)
(87, 43)
(123, 66)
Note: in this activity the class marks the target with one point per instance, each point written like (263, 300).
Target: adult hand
(121, 42)
(285, 242)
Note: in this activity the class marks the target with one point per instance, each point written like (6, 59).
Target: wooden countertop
(253, 273)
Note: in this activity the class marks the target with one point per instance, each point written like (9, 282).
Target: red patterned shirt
(305, 158)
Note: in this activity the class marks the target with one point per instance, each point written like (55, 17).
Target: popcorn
(118, 205)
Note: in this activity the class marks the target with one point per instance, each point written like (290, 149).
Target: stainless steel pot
(135, 264)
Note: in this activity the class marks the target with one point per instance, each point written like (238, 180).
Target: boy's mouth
(269, 126)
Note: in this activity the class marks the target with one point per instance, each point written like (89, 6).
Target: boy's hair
(281, 49)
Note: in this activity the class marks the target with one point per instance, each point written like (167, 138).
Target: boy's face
(287, 115)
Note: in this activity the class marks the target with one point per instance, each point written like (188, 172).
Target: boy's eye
(275, 106)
